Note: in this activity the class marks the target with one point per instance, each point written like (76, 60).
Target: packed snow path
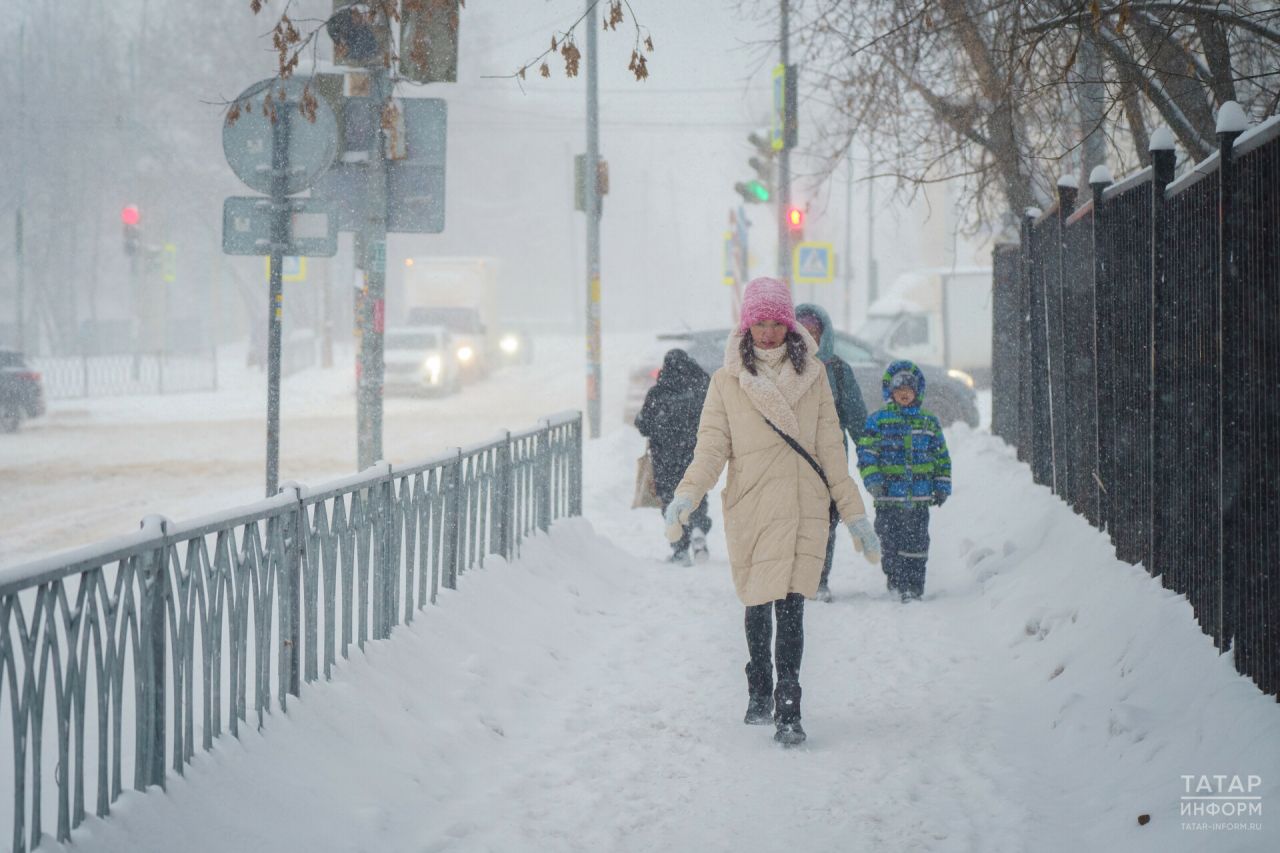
(589, 698)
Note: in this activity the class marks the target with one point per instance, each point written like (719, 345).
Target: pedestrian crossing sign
(814, 263)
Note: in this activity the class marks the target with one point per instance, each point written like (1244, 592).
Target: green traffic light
(759, 190)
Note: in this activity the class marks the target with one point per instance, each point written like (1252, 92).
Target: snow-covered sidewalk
(589, 698)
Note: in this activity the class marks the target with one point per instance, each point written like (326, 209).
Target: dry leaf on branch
(544, 70)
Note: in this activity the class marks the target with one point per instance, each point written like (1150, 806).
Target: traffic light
(795, 223)
(361, 34)
(131, 219)
(758, 190)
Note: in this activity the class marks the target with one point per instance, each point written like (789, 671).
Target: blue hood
(827, 347)
(897, 367)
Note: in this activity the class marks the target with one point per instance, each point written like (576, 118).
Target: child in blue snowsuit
(906, 467)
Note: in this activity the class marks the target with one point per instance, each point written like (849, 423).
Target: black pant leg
(790, 641)
(914, 549)
(888, 528)
(759, 627)
(700, 518)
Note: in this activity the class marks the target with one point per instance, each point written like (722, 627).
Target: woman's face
(814, 328)
(769, 334)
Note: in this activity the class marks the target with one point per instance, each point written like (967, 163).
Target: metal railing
(76, 376)
(124, 657)
(1144, 330)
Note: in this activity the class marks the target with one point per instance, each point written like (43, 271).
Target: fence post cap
(1231, 119)
(155, 525)
(299, 490)
(1100, 175)
(1068, 181)
(1033, 212)
(1161, 139)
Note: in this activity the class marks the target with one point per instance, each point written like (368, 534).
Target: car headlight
(433, 364)
(961, 376)
(465, 354)
(510, 344)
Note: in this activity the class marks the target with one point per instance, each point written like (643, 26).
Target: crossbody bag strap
(795, 445)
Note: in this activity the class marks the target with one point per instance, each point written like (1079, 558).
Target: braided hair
(797, 351)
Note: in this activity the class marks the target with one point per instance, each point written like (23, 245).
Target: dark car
(21, 391)
(950, 399)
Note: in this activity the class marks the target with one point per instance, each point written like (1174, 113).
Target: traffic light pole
(594, 373)
(275, 305)
(371, 247)
(784, 159)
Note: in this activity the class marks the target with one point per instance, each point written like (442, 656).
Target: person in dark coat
(849, 405)
(669, 419)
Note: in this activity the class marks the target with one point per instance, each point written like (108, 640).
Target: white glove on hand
(676, 515)
(865, 539)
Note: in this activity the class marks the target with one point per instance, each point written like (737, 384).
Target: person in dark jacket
(669, 419)
(906, 467)
(849, 405)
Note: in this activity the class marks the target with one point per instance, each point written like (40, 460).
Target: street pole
(594, 373)
(20, 283)
(275, 306)
(872, 283)
(848, 241)
(784, 159)
(372, 250)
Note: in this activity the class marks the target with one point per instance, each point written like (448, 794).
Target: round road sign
(313, 145)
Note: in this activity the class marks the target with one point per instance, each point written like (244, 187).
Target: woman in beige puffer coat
(776, 503)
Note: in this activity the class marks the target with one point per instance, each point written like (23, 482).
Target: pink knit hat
(767, 299)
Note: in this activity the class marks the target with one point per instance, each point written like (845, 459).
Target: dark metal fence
(1137, 351)
(117, 660)
(71, 376)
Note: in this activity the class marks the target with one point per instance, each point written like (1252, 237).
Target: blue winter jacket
(844, 385)
(902, 454)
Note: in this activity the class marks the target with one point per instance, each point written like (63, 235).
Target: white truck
(461, 295)
(939, 316)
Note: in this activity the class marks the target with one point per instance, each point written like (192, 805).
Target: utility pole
(592, 181)
(848, 240)
(280, 213)
(784, 156)
(371, 250)
(873, 284)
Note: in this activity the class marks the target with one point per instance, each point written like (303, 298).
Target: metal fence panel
(71, 377)
(178, 632)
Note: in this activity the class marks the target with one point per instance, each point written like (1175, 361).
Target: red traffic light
(795, 218)
(129, 215)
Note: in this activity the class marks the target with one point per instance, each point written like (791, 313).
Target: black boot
(787, 714)
(759, 710)
(760, 694)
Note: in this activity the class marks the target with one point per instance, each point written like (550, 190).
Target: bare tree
(1010, 93)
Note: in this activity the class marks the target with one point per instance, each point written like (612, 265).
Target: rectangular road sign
(814, 263)
(778, 124)
(246, 227)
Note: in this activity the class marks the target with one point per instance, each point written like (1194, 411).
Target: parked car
(21, 391)
(420, 359)
(951, 399)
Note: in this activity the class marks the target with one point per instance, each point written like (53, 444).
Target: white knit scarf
(776, 388)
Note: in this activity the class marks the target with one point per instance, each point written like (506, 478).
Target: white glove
(676, 515)
(865, 539)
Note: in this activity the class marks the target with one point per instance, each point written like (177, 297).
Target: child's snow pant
(789, 649)
(904, 546)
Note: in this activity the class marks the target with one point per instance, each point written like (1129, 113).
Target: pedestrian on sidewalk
(849, 406)
(771, 419)
(669, 419)
(906, 468)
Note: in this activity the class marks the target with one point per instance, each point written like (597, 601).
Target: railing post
(543, 482)
(1162, 530)
(151, 716)
(1101, 320)
(1232, 366)
(505, 502)
(1061, 413)
(291, 592)
(160, 372)
(452, 522)
(575, 497)
(84, 378)
(385, 572)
